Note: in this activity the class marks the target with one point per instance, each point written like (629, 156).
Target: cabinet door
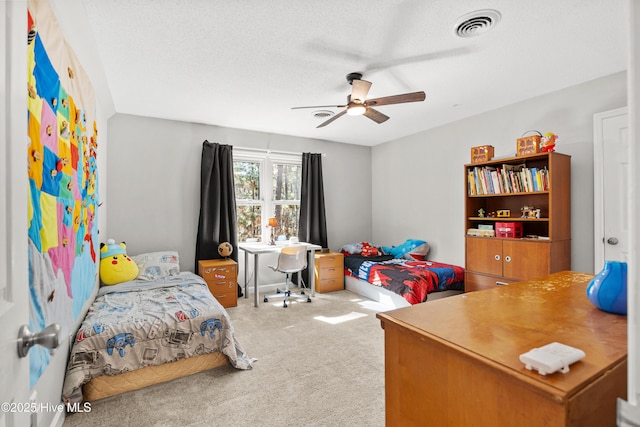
(525, 259)
(484, 255)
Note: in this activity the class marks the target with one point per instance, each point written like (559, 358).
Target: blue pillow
(401, 250)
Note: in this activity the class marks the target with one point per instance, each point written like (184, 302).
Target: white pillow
(156, 265)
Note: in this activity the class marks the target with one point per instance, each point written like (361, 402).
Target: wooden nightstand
(329, 272)
(221, 276)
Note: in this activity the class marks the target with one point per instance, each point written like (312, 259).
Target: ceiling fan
(358, 104)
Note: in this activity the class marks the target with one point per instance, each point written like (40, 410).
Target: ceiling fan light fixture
(356, 109)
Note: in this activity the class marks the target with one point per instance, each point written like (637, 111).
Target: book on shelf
(486, 180)
(471, 183)
(496, 183)
(534, 179)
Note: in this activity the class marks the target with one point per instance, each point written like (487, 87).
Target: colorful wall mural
(63, 196)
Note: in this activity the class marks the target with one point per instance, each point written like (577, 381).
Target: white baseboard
(628, 415)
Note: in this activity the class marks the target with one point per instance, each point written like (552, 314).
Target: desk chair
(292, 259)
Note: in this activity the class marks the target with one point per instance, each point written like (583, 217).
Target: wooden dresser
(455, 361)
(221, 276)
(329, 271)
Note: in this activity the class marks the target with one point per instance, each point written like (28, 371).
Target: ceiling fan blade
(397, 99)
(337, 116)
(360, 89)
(375, 115)
(319, 106)
(442, 54)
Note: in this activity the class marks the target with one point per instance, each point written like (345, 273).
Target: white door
(611, 202)
(14, 286)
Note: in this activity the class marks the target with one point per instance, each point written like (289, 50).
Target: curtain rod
(268, 151)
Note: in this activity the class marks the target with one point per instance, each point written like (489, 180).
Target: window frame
(266, 161)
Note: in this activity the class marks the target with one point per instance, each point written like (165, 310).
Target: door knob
(612, 241)
(48, 337)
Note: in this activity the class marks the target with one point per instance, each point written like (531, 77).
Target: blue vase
(608, 289)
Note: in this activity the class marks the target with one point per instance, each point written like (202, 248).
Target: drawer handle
(207, 271)
(507, 258)
(501, 283)
(497, 257)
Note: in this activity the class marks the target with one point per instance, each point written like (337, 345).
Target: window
(266, 185)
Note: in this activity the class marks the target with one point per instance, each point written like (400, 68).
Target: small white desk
(257, 249)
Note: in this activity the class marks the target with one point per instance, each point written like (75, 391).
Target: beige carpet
(319, 364)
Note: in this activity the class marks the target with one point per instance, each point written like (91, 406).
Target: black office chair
(292, 259)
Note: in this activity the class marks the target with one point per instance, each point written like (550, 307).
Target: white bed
(388, 300)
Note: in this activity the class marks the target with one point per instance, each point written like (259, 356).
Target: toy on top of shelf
(528, 144)
(480, 154)
(548, 142)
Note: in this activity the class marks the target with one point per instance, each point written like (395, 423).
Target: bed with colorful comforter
(412, 279)
(142, 324)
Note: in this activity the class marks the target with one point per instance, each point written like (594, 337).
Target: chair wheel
(301, 292)
(308, 299)
(266, 299)
(285, 305)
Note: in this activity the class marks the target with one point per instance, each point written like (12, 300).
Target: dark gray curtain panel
(313, 224)
(217, 221)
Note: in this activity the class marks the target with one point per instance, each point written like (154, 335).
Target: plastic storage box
(510, 230)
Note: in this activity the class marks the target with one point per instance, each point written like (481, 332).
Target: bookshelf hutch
(541, 183)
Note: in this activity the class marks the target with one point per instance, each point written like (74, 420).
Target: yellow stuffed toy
(115, 266)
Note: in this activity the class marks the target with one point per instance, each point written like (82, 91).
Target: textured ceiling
(245, 63)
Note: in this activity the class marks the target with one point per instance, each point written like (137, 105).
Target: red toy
(548, 142)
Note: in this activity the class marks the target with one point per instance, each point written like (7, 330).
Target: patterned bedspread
(413, 280)
(141, 323)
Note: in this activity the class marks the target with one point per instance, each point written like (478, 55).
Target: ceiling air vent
(476, 23)
(322, 114)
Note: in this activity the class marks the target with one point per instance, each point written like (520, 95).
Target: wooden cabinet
(474, 342)
(545, 245)
(221, 276)
(329, 272)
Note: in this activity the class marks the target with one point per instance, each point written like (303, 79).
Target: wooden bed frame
(111, 385)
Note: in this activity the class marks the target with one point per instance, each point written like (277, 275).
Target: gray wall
(419, 181)
(153, 179)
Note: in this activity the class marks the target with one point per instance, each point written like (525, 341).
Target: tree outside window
(246, 176)
(267, 185)
(286, 198)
